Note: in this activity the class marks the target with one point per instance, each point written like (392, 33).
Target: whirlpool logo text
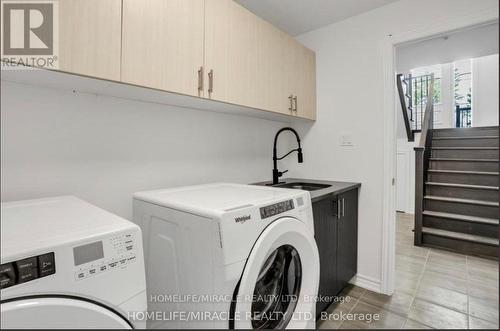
(242, 219)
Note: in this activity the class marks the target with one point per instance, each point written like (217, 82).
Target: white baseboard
(366, 282)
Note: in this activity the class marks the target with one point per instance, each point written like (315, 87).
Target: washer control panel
(276, 208)
(27, 269)
(93, 258)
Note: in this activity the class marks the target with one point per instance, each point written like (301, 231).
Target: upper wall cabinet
(302, 79)
(90, 37)
(162, 44)
(252, 63)
(306, 93)
(244, 58)
(213, 49)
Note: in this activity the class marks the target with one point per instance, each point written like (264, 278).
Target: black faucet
(277, 174)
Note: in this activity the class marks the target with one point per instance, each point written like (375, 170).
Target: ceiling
(300, 16)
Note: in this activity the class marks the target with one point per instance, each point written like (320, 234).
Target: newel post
(419, 194)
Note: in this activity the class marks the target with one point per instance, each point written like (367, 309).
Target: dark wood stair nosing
(460, 236)
(478, 128)
(461, 218)
(460, 200)
(465, 148)
(468, 186)
(464, 137)
(451, 159)
(465, 172)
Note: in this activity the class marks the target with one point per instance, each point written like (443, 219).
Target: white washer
(243, 255)
(68, 264)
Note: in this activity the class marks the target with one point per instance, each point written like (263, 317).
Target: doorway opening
(401, 204)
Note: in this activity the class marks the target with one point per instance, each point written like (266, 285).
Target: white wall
(405, 173)
(459, 45)
(102, 149)
(350, 80)
(444, 112)
(485, 91)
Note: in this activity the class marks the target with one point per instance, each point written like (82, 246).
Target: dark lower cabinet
(325, 233)
(347, 238)
(336, 234)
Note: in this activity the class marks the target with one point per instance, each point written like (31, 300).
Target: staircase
(459, 191)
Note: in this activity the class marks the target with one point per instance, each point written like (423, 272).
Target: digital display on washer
(276, 209)
(88, 253)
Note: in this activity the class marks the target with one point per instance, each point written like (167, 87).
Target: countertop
(334, 189)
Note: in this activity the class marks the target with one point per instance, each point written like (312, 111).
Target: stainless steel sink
(303, 186)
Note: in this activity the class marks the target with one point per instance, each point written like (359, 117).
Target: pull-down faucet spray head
(276, 173)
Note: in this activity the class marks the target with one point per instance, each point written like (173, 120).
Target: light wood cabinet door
(270, 88)
(244, 55)
(301, 82)
(305, 92)
(162, 44)
(90, 37)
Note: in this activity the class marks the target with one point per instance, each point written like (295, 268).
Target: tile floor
(434, 289)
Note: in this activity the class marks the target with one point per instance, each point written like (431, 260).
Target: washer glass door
(277, 289)
(280, 281)
(58, 313)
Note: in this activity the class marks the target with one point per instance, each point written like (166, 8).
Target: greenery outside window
(421, 79)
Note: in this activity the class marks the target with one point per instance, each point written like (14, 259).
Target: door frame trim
(387, 46)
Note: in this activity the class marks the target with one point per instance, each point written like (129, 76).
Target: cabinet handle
(343, 207)
(291, 103)
(200, 80)
(338, 209)
(295, 99)
(211, 81)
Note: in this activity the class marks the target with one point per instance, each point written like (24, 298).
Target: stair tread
(477, 128)
(460, 236)
(483, 187)
(462, 160)
(460, 200)
(464, 137)
(467, 148)
(467, 172)
(475, 219)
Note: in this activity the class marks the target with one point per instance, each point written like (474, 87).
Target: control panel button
(46, 265)
(300, 201)
(27, 269)
(7, 275)
(131, 258)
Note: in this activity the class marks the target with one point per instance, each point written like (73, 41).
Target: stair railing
(422, 156)
(463, 116)
(409, 132)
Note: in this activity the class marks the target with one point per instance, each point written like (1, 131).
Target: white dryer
(68, 264)
(229, 256)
